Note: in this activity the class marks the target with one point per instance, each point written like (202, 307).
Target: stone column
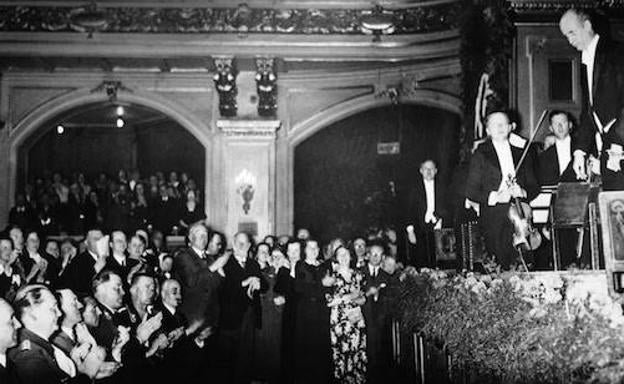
(249, 175)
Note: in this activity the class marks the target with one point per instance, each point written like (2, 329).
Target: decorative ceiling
(185, 35)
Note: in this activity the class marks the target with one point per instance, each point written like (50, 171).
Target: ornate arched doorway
(344, 183)
(38, 130)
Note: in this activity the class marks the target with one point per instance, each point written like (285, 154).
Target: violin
(525, 236)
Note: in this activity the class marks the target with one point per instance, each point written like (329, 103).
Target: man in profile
(602, 87)
(36, 360)
(8, 339)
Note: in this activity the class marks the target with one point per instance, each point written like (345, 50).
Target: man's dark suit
(200, 301)
(608, 104)
(185, 361)
(238, 320)
(423, 254)
(484, 176)
(378, 326)
(8, 375)
(548, 172)
(79, 273)
(122, 270)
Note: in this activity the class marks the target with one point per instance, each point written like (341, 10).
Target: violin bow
(531, 139)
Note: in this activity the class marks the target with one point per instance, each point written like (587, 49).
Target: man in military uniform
(36, 360)
(8, 339)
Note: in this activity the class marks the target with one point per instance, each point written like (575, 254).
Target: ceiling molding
(421, 17)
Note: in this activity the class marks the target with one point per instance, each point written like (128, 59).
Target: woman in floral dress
(347, 329)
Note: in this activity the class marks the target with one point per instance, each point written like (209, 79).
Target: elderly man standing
(200, 277)
(36, 360)
(425, 212)
(240, 311)
(602, 87)
(8, 339)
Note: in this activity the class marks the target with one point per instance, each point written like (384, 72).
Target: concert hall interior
(287, 191)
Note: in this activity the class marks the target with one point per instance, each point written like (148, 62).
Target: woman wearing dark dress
(191, 211)
(140, 207)
(267, 356)
(312, 353)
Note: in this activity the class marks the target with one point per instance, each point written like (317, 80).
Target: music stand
(571, 211)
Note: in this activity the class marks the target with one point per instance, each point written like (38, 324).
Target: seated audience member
(118, 262)
(68, 253)
(165, 266)
(21, 214)
(74, 339)
(8, 339)
(10, 279)
(113, 332)
(303, 234)
(191, 211)
(36, 359)
(82, 268)
(91, 313)
(39, 267)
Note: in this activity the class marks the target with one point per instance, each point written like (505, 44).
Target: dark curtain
(343, 187)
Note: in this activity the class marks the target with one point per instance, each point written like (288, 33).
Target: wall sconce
(245, 182)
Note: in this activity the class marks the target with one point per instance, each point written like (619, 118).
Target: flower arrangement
(515, 328)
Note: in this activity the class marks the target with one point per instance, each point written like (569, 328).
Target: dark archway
(342, 186)
(92, 143)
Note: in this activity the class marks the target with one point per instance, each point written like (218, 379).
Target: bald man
(602, 87)
(8, 339)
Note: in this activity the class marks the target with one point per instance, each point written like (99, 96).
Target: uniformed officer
(8, 338)
(36, 360)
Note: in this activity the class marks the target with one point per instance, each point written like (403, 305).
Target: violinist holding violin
(495, 182)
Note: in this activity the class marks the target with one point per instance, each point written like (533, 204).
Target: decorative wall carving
(225, 83)
(422, 19)
(266, 85)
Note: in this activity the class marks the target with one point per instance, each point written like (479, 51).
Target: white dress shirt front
(563, 153)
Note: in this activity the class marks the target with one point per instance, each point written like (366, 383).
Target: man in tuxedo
(554, 164)
(376, 313)
(602, 85)
(8, 339)
(82, 268)
(492, 166)
(118, 262)
(240, 309)
(425, 212)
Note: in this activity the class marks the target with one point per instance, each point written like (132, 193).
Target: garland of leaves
(510, 329)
